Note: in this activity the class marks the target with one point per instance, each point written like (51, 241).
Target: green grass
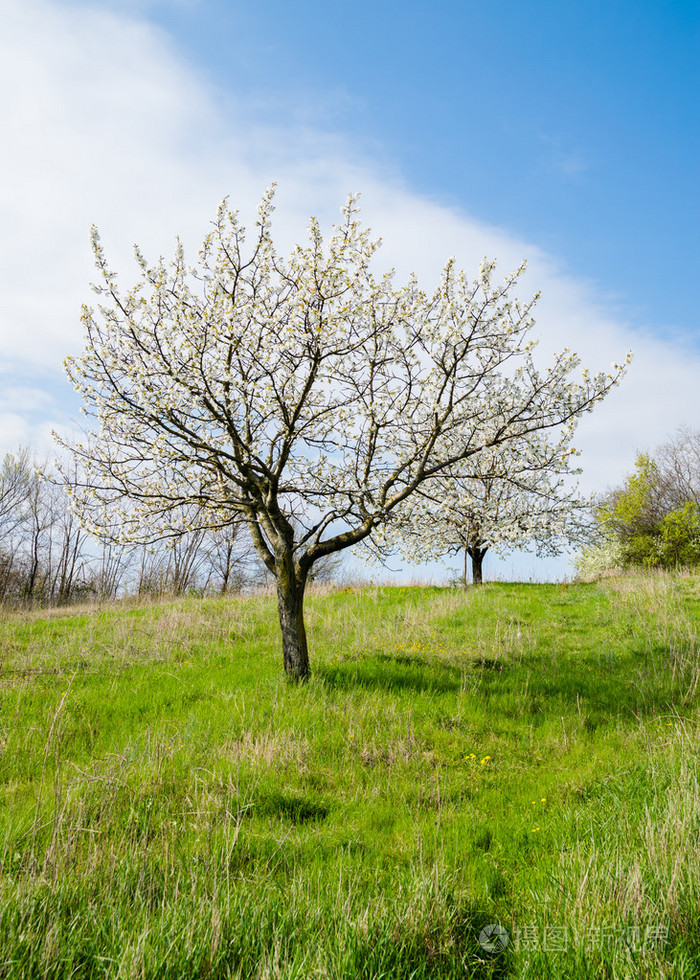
(516, 754)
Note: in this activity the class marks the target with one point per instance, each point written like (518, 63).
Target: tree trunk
(226, 574)
(477, 556)
(290, 603)
(34, 563)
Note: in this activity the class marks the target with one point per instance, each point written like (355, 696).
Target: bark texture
(290, 604)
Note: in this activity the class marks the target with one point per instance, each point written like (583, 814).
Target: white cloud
(106, 124)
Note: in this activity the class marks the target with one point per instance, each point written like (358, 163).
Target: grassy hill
(519, 755)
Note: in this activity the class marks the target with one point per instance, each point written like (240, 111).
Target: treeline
(653, 519)
(46, 558)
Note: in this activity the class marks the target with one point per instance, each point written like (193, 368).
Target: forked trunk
(290, 603)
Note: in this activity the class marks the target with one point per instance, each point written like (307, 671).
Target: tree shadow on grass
(392, 673)
(596, 691)
(293, 807)
(629, 686)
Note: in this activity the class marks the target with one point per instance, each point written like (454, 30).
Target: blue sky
(565, 133)
(574, 124)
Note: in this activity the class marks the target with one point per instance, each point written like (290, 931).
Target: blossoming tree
(306, 397)
(511, 496)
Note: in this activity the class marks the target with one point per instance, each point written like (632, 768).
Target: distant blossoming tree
(511, 496)
(306, 397)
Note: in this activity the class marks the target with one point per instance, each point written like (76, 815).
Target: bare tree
(53, 541)
(174, 567)
(110, 568)
(227, 558)
(679, 467)
(43, 557)
(15, 481)
(305, 397)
